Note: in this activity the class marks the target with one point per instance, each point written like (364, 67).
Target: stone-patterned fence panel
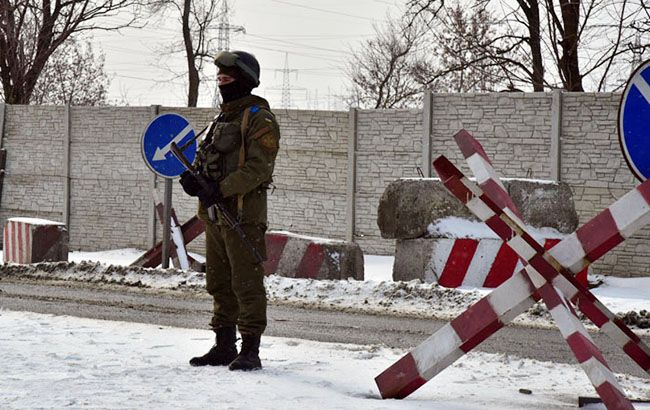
(82, 165)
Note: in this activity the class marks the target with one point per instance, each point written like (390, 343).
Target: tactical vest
(215, 156)
(223, 150)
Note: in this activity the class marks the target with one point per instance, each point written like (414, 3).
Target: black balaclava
(238, 88)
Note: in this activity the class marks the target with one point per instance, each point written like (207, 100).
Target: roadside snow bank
(414, 298)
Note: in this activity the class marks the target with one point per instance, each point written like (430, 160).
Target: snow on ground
(628, 297)
(620, 295)
(60, 361)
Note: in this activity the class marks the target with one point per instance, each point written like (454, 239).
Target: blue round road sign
(157, 140)
(634, 122)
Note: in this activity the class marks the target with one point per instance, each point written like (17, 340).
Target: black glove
(190, 184)
(210, 195)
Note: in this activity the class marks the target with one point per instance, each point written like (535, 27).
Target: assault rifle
(230, 220)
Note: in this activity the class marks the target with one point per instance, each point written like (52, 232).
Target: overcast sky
(316, 35)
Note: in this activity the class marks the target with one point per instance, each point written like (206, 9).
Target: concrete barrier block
(544, 204)
(297, 256)
(31, 240)
(412, 259)
(408, 206)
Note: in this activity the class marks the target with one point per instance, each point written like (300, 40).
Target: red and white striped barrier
(517, 294)
(483, 263)
(30, 240)
(583, 347)
(298, 256)
(612, 225)
(573, 331)
(557, 266)
(486, 262)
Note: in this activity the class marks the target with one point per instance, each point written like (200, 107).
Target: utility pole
(286, 87)
(223, 40)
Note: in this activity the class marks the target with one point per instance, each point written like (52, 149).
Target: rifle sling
(242, 159)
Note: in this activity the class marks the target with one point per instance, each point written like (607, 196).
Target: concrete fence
(83, 166)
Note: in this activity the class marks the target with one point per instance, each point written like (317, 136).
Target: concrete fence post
(350, 205)
(3, 152)
(3, 110)
(426, 133)
(556, 136)
(151, 207)
(67, 131)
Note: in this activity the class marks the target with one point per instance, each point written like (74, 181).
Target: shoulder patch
(254, 109)
(269, 142)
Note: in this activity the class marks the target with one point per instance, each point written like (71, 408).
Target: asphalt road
(192, 309)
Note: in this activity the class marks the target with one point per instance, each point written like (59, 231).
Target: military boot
(248, 358)
(222, 353)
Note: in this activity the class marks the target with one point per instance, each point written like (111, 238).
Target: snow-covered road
(67, 362)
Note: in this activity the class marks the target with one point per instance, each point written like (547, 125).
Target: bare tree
(458, 62)
(515, 46)
(533, 39)
(381, 70)
(75, 75)
(32, 30)
(565, 32)
(411, 54)
(197, 18)
(559, 43)
(597, 40)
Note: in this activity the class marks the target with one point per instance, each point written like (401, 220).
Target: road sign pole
(162, 132)
(167, 223)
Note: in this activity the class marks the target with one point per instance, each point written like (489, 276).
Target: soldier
(237, 156)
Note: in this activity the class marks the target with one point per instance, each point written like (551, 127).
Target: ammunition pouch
(215, 156)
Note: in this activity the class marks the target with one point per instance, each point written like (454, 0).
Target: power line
(304, 44)
(299, 44)
(147, 79)
(317, 36)
(308, 55)
(338, 13)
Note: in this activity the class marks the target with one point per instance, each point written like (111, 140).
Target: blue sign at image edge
(633, 120)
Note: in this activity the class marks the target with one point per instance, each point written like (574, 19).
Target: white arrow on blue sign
(157, 140)
(634, 122)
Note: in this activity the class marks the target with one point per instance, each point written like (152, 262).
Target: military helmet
(245, 62)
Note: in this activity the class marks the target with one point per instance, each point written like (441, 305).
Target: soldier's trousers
(235, 279)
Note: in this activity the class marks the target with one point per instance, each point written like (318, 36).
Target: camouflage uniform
(234, 278)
